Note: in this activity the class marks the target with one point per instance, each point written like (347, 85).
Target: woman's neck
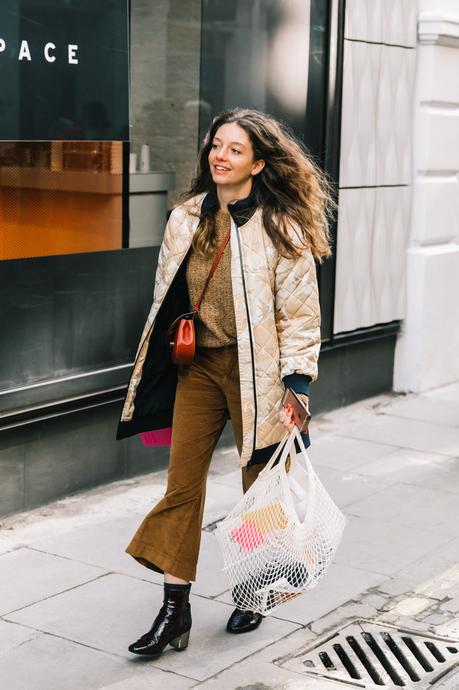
(229, 195)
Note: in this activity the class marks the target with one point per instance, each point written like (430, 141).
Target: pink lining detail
(158, 437)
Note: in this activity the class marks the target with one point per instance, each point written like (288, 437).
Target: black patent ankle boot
(171, 626)
(243, 620)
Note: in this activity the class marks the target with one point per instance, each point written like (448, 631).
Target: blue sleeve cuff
(297, 382)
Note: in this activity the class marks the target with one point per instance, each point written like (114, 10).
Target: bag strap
(213, 269)
(312, 477)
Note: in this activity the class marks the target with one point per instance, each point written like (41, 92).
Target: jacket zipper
(151, 329)
(250, 339)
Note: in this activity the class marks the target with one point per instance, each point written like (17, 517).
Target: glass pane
(60, 197)
(256, 54)
(165, 65)
(64, 70)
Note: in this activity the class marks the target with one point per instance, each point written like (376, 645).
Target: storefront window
(60, 197)
(207, 56)
(165, 72)
(256, 54)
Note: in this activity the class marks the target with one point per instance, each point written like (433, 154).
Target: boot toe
(144, 647)
(242, 621)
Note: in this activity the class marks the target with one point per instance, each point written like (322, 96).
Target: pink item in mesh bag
(158, 437)
(248, 536)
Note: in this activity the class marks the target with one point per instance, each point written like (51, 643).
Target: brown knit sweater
(215, 323)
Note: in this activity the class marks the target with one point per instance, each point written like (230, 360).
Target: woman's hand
(285, 415)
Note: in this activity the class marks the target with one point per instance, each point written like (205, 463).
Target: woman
(257, 332)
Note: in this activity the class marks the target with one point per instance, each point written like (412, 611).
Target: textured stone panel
(353, 302)
(399, 22)
(388, 253)
(358, 119)
(371, 256)
(393, 22)
(363, 20)
(394, 119)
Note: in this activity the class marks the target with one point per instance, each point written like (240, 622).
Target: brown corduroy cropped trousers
(208, 394)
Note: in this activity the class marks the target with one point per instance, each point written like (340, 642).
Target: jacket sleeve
(164, 252)
(297, 319)
(159, 282)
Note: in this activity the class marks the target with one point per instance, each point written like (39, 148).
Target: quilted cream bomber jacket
(277, 314)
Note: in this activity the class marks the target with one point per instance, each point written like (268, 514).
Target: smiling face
(231, 157)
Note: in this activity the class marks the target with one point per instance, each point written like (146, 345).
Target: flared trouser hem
(150, 557)
(207, 395)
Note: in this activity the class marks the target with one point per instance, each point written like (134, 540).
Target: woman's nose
(221, 154)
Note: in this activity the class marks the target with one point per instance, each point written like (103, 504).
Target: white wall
(427, 352)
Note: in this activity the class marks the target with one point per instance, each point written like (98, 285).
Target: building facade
(81, 232)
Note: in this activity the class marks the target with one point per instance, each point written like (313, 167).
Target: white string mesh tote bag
(280, 538)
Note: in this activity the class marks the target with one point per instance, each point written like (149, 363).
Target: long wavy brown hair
(291, 188)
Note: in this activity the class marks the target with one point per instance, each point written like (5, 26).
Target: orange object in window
(60, 198)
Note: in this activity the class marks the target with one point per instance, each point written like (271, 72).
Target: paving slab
(450, 682)
(47, 663)
(340, 584)
(224, 460)
(422, 574)
(110, 613)
(347, 486)
(27, 576)
(449, 392)
(101, 544)
(13, 635)
(220, 499)
(210, 578)
(230, 479)
(384, 548)
(402, 505)
(428, 408)
(407, 433)
(452, 605)
(294, 644)
(105, 614)
(254, 674)
(444, 584)
(409, 466)
(343, 453)
(151, 679)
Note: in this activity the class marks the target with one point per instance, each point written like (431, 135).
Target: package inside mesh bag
(279, 539)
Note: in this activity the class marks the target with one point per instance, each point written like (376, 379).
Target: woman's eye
(235, 151)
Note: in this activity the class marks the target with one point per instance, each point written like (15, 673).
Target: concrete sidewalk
(71, 599)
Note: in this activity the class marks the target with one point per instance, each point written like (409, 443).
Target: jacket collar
(241, 211)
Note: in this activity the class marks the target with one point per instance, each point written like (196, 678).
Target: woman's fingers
(285, 416)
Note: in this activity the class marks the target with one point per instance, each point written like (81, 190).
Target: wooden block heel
(181, 642)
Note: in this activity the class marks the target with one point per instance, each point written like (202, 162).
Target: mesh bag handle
(311, 504)
(284, 447)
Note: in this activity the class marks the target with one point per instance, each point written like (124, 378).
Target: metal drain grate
(365, 654)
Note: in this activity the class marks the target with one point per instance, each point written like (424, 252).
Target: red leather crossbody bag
(181, 333)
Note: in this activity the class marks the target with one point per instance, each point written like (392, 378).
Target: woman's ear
(257, 167)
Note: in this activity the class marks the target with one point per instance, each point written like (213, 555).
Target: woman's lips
(220, 171)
